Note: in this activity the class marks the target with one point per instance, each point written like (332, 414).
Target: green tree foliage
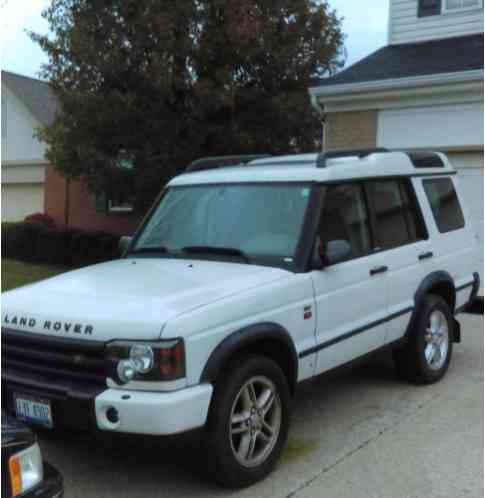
(162, 82)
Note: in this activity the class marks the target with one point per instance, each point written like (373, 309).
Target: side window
(345, 217)
(444, 204)
(396, 217)
(429, 8)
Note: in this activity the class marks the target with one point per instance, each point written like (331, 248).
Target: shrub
(21, 241)
(40, 219)
(47, 246)
(67, 247)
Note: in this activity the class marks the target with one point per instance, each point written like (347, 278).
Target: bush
(67, 247)
(40, 219)
(21, 241)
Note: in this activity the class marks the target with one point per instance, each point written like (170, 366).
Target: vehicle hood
(127, 298)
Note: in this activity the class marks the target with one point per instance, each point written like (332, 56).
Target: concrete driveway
(362, 435)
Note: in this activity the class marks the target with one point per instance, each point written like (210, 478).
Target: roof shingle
(451, 55)
(35, 94)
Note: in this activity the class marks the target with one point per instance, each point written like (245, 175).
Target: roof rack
(215, 162)
(360, 153)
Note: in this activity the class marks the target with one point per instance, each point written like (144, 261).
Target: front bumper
(137, 412)
(154, 413)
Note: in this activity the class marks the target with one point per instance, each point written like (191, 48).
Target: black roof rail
(337, 154)
(215, 162)
(426, 159)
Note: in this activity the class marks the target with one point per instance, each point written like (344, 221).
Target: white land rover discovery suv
(242, 282)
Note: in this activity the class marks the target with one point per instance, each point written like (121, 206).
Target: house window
(455, 5)
(120, 202)
(428, 8)
(121, 194)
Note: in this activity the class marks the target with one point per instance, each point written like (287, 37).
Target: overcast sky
(365, 25)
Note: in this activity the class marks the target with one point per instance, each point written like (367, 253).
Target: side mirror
(337, 251)
(124, 243)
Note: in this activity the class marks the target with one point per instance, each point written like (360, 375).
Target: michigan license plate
(33, 410)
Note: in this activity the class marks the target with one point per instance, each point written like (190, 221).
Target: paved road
(362, 435)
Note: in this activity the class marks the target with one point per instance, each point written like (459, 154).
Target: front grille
(53, 360)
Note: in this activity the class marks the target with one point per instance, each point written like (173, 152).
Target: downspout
(323, 119)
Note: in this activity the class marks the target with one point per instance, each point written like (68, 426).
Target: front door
(351, 295)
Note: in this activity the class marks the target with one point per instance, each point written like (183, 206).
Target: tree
(160, 83)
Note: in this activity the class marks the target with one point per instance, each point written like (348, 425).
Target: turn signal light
(172, 361)
(26, 470)
(15, 475)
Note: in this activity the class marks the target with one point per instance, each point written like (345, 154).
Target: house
(30, 184)
(424, 90)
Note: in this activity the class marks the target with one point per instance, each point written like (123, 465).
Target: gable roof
(451, 55)
(37, 95)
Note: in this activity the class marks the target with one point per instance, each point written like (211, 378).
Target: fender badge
(307, 313)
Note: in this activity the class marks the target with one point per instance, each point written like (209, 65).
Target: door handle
(378, 269)
(425, 255)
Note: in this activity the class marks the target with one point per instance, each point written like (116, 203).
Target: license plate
(33, 410)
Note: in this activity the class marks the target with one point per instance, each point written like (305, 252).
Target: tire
(426, 356)
(233, 399)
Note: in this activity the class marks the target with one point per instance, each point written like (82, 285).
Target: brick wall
(55, 196)
(82, 210)
(352, 130)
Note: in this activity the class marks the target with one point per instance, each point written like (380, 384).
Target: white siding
(23, 163)
(406, 27)
(20, 200)
(441, 127)
(18, 141)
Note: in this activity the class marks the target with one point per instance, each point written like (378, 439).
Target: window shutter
(101, 202)
(429, 8)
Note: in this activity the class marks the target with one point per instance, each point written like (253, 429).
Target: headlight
(142, 358)
(26, 469)
(156, 361)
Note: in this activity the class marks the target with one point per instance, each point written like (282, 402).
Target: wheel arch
(270, 339)
(439, 283)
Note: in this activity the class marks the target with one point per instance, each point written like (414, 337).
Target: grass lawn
(17, 273)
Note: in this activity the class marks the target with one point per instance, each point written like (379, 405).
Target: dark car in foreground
(24, 473)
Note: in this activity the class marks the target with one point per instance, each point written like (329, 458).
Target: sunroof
(426, 160)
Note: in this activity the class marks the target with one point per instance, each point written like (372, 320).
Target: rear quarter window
(444, 204)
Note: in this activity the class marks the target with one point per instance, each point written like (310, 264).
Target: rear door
(351, 296)
(401, 237)
(456, 249)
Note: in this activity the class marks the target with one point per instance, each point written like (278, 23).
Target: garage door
(21, 199)
(470, 170)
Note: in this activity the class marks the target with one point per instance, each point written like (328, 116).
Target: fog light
(112, 415)
(126, 371)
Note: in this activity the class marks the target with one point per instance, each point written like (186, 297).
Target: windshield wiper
(222, 251)
(148, 249)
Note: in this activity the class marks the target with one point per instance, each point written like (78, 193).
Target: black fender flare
(243, 339)
(430, 281)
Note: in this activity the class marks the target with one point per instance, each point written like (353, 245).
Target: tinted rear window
(397, 219)
(444, 204)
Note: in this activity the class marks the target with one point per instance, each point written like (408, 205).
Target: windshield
(246, 220)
